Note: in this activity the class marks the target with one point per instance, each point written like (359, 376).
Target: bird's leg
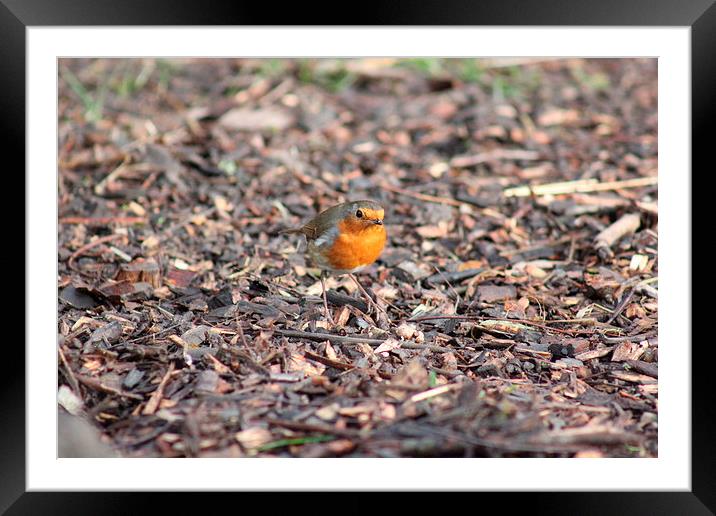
(325, 300)
(366, 295)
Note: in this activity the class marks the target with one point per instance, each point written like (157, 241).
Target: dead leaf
(387, 346)
(298, 363)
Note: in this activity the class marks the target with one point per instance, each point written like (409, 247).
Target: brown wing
(322, 222)
(311, 231)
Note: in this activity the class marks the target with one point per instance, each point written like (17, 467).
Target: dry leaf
(298, 363)
(387, 346)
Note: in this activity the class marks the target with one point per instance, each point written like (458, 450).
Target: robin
(344, 239)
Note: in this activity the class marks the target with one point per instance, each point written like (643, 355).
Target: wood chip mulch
(519, 284)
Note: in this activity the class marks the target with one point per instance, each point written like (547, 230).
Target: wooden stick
(327, 361)
(103, 221)
(644, 367)
(97, 385)
(582, 185)
(156, 397)
(424, 197)
(437, 391)
(543, 324)
(85, 248)
(306, 427)
(621, 306)
(626, 225)
(70, 375)
(341, 339)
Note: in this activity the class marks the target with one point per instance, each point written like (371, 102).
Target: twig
(327, 361)
(306, 427)
(97, 385)
(504, 445)
(626, 376)
(633, 338)
(87, 247)
(651, 208)
(70, 375)
(596, 435)
(582, 185)
(103, 221)
(327, 336)
(572, 248)
(626, 225)
(585, 320)
(156, 397)
(644, 367)
(621, 306)
(423, 197)
(431, 393)
(101, 187)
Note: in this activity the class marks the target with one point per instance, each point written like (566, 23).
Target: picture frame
(17, 15)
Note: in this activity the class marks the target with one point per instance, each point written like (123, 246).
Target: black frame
(700, 15)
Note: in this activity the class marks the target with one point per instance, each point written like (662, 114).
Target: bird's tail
(291, 231)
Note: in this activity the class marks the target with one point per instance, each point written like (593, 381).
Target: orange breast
(352, 249)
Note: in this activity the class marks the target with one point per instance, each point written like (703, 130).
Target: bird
(344, 239)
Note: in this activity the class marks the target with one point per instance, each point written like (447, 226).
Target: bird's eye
(359, 214)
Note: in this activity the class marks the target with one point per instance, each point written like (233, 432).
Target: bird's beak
(378, 221)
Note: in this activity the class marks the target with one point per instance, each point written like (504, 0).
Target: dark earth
(519, 282)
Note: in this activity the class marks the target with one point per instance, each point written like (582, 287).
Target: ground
(519, 282)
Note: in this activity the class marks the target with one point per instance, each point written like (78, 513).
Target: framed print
(423, 256)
